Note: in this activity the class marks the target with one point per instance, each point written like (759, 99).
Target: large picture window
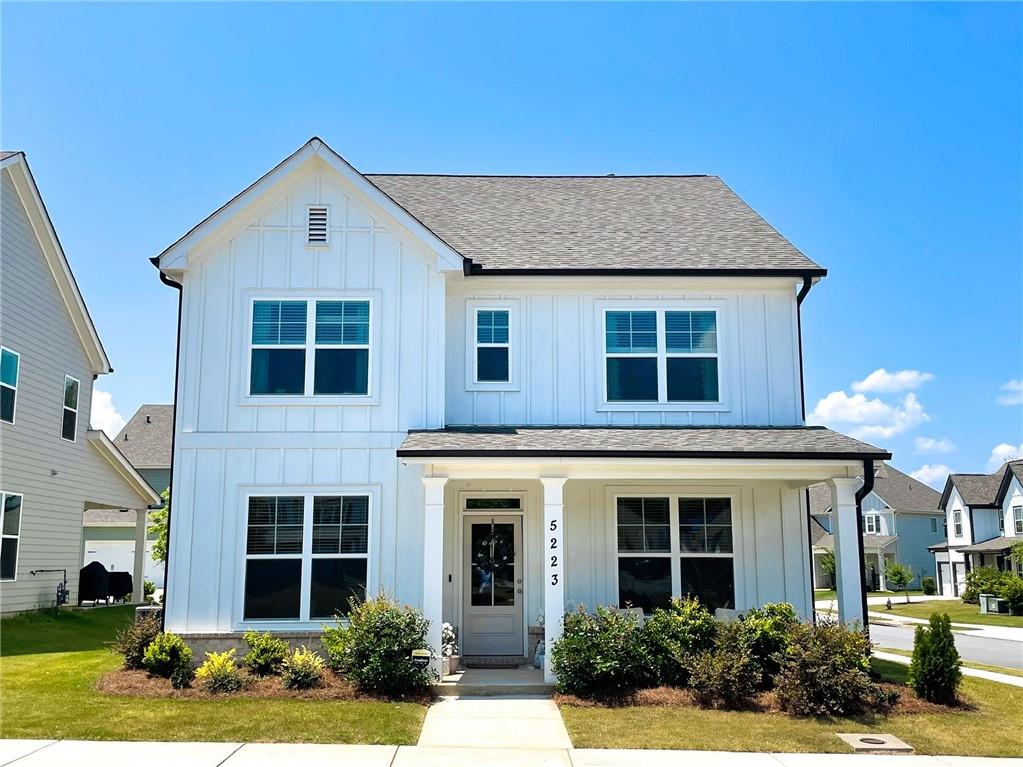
(661, 356)
(288, 579)
(10, 535)
(674, 546)
(10, 362)
(310, 347)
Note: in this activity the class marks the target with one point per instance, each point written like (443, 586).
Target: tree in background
(828, 565)
(900, 576)
(158, 524)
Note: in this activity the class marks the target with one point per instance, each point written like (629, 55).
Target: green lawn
(49, 665)
(992, 729)
(959, 612)
(819, 595)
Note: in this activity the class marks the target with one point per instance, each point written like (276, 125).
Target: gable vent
(316, 225)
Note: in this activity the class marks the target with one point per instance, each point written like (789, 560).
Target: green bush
(219, 672)
(601, 655)
(928, 585)
(266, 653)
(374, 650)
(766, 631)
(729, 675)
(148, 590)
(984, 580)
(1012, 592)
(182, 677)
(133, 639)
(674, 635)
(824, 673)
(302, 669)
(166, 654)
(934, 672)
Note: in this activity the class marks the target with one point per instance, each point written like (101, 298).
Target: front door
(492, 585)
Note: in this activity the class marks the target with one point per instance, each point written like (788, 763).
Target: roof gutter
(863, 492)
(174, 433)
(803, 291)
(476, 270)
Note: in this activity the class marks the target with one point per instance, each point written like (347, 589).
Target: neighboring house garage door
(120, 556)
(946, 579)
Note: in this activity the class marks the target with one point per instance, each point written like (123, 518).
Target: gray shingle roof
(146, 439)
(627, 442)
(578, 223)
(978, 489)
(5, 155)
(869, 541)
(998, 545)
(817, 531)
(900, 491)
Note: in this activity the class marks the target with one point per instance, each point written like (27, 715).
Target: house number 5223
(554, 544)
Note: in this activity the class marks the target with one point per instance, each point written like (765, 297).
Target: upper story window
(1001, 523)
(10, 362)
(872, 524)
(934, 525)
(957, 523)
(493, 350)
(661, 356)
(1017, 518)
(310, 347)
(69, 419)
(10, 535)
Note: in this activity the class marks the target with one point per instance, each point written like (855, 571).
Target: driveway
(991, 652)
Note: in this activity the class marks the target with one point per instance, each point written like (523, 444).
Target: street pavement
(986, 650)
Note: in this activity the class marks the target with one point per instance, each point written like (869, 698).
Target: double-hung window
(661, 356)
(310, 347)
(292, 576)
(872, 524)
(10, 361)
(674, 546)
(1017, 519)
(493, 360)
(69, 419)
(957, 523)
(10, 535)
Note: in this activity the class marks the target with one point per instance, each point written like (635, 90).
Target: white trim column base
(433, 565)
(138, 575)
(553, 567)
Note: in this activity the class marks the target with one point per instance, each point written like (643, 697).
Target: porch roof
(870, 542)
(999, 545)
(773, 442)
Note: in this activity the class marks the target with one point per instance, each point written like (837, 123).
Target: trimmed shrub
(302, 669)
(824, 673)
(1012, 592)
(729, 675)
(148, 590)
(766, 631)
(928, 585)
(934, 672)
(133, 639)
(674, 635)
(984, 580)
(182, 677)
(266, 653)
(374, 651)
(219, 672)
(601, 655)
(166, 654)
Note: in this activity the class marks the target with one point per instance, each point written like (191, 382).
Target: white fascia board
(56, 260)
(109, 450)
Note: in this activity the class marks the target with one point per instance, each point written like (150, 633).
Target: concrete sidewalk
(25, 753)
(992, 676)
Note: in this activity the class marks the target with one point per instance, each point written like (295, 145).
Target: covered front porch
(531, 523)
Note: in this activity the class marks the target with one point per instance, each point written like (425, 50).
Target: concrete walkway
(993, 676)
(521, 722)
(48, 753)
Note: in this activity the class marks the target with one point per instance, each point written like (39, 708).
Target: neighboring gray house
(109, 536)
(901, 520)
(53, 467)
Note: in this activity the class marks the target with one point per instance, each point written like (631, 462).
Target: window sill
(278, 400)
(672, 407)
(492, 386)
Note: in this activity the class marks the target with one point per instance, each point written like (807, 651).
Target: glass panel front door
(492, 577)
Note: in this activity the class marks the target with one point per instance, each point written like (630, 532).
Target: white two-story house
(494, 398)
(984, 520)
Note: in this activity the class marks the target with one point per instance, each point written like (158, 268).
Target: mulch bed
(332, 687)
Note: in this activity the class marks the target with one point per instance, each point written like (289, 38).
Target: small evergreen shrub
(767, 630)
(133, 639)
(934, 672)
(824, 673)
(984, 580)
(672, 636)
(302, 670)
(374, 651)
(148, 590)
(601, 655)
(182, 677)
(219, 672)
(729, 675)
(928, 585)
(266, 653)
(166, 654)
(1012, 592)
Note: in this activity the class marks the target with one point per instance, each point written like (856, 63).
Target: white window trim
(21, 517)
(310, 347)
(472, 309)
(317, 245)
(673, 493)
(872, 521)
(1017, 519)
(63, 395)
(957, 523)
(662, 355)
(17, 380)
(304, 621)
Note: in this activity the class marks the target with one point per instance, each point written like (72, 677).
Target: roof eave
(478, 270)
(441, 453)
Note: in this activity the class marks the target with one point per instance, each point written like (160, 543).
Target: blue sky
(886, 141)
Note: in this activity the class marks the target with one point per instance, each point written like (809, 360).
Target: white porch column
(553, 567)
(882, 584)
(138, 575)
(433, 563)
(845, 528)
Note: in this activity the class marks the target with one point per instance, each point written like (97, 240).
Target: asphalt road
(991, 652)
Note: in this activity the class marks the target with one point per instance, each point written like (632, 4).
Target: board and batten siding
(557, 326)
(34, 322)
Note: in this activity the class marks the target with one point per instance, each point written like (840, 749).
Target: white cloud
(104, 414)
(1002, 453)
(872, 418)
(932, 445)
(932, 474)
(1013, 393)
(883, 382)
